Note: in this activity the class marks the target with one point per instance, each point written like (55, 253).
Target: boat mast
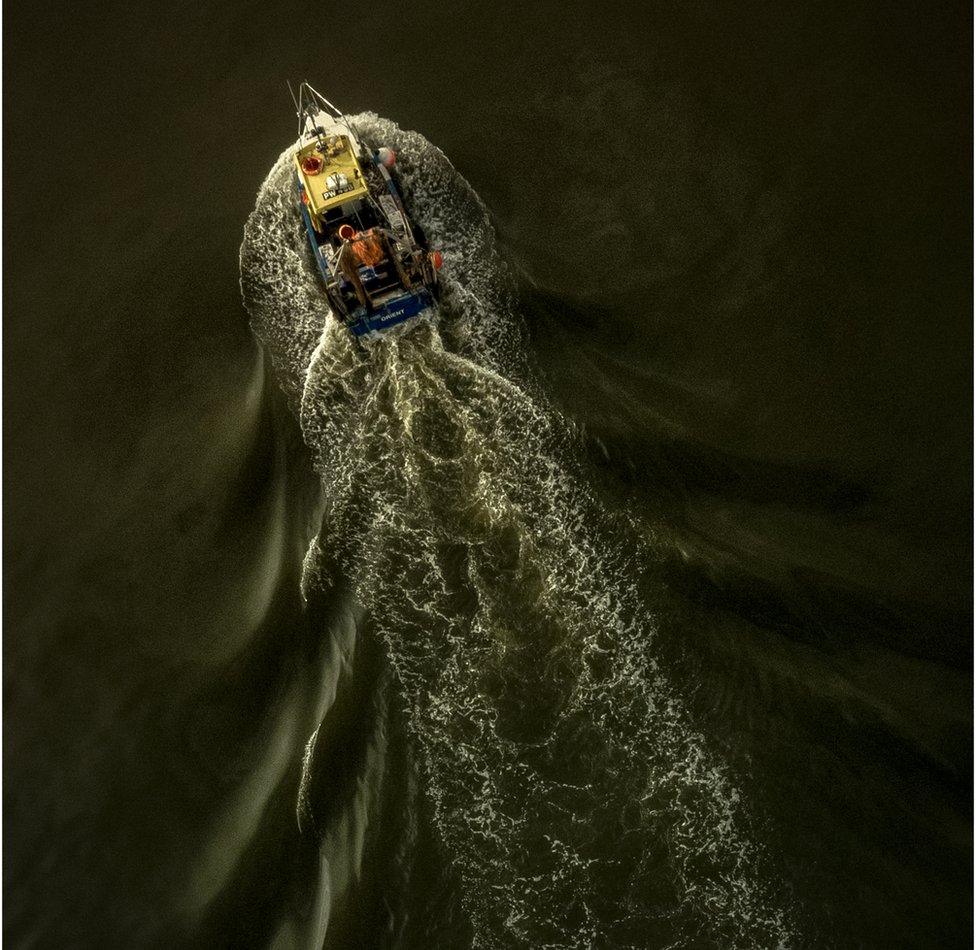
(308, 103)
(318, 95)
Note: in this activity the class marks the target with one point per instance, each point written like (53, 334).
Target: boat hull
(390, 314)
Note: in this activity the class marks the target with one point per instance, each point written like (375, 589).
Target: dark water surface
(630, 609)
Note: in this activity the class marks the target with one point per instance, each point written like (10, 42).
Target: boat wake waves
(575, 800)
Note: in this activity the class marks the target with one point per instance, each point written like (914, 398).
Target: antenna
(298, 108)
(318, 95)
(308, 103)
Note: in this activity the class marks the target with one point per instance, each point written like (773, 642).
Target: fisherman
(349, 267)
(367, 248)
(373, 248)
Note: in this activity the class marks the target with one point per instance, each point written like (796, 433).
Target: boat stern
(391, 312)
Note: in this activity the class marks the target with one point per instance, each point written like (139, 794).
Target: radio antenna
(298, 108)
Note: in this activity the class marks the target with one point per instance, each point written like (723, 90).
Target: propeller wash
(576, 801)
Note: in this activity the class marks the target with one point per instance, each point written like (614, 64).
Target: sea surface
(626, 605)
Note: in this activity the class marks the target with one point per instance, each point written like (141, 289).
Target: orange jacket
(368, 248)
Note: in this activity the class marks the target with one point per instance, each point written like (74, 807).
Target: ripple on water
(578, 802)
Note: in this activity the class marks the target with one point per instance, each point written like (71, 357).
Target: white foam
(579, 804)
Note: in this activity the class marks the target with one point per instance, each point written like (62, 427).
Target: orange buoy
(346, 232)
(437, 259)
(312, 164)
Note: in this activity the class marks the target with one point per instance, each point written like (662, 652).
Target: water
(562, 770)
(628, 606)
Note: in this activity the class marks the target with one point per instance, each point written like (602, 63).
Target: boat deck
(338, 178)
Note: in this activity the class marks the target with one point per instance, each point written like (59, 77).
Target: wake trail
(575, 798)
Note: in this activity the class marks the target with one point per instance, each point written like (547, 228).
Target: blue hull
(390, 314)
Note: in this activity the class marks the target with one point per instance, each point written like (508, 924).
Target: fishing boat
(376, 266)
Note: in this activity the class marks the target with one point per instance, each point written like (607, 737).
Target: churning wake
(576, 802)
